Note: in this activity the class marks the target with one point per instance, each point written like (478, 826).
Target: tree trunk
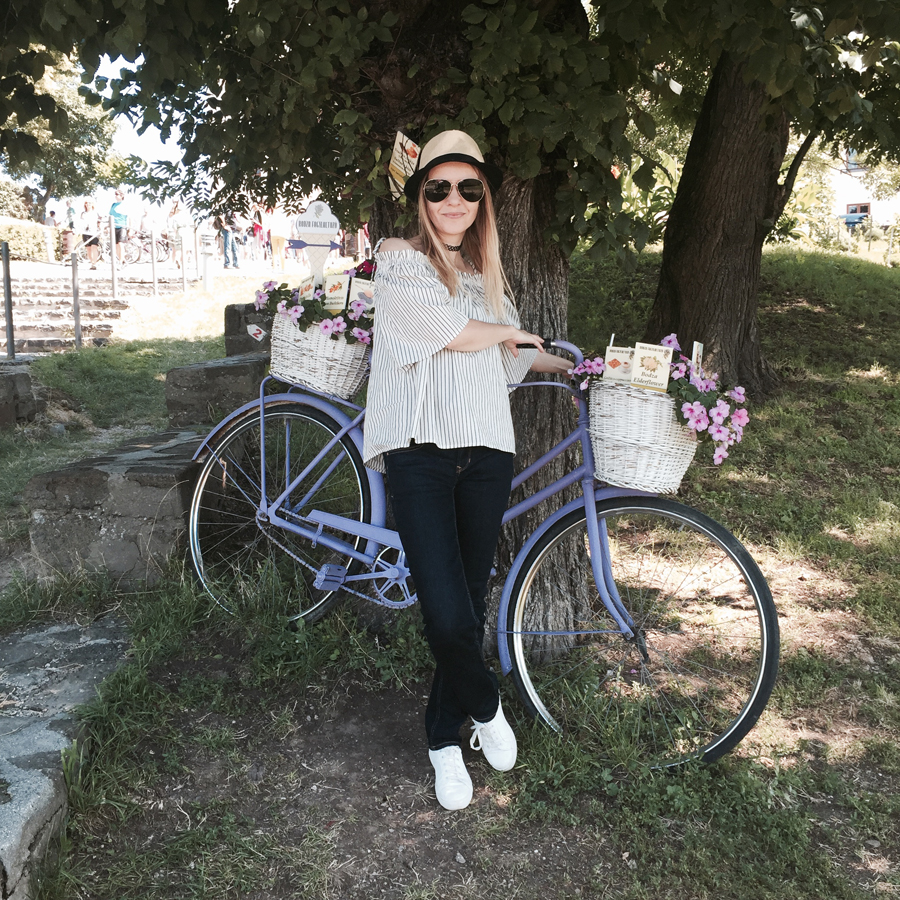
(539, 276)
(727, 200)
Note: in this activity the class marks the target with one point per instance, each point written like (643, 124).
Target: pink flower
(357, 308)
(740, 417)
(363, 336)
(719, 413)
(720, 454)
(270, 286)
(719, 432)
(295, 312)
(350, 272)
(585, 384)
(261, 298)
(695, 413)
(326, 326)
(671, 340)
(738, 395)
(595, 366)
(339, 325)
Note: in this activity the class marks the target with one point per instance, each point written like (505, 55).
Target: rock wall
(124, 513)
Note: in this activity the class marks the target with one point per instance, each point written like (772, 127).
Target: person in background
(259, 240)
(119, 215)
(226, 224)
(89, 226)
(279, 232)
(50, 221)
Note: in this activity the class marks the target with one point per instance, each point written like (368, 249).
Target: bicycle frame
(312, 524)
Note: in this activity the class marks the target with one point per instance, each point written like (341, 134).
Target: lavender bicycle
(633, 621)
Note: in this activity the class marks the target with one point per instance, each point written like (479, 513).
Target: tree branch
(787, 186)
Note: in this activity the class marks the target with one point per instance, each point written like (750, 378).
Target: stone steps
(43, 317)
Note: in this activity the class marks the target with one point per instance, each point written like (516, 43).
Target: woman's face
(452, 216)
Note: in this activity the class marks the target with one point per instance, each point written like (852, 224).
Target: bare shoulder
(396, 244)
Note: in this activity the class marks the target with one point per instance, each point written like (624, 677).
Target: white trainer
(451, 779)
(497, 739)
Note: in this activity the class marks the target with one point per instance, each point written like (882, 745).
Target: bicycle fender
(600, 493)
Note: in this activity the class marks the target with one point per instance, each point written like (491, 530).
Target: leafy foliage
(77, 160)
(12, 200)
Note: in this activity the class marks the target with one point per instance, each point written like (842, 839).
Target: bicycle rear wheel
(246, 564)
(700, 669)
(131, 251)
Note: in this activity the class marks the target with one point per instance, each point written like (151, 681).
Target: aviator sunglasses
(437, 189)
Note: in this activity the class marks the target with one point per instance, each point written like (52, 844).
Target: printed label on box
(403, 163)
(651, 366)
(697, 355)
(335, 296)
(307, 288)
(362, 289)
(619, 364)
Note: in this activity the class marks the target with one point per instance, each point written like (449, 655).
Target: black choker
(453, 249)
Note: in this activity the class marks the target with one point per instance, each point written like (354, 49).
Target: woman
(89, 226)
(439, 425)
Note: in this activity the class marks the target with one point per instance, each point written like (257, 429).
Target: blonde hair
(480, 245)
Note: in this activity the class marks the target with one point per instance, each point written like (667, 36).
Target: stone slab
(123, 513)
(238, 316)
(44, 674)
(206, 392)
(18, 402)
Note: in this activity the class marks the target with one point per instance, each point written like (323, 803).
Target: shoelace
(475, 741)
(452, 766)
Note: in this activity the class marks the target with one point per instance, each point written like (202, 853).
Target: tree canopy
(274, 97)
(79, 159)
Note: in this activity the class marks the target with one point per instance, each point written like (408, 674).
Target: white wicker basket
(320, 362)
(636, 439)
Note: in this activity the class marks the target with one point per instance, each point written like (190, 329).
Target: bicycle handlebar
(559, 345)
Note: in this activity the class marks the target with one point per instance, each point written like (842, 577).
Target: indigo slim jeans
(230, 247)
(448, 507)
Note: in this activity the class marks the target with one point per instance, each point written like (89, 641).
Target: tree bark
(538, 273)
(727, 200)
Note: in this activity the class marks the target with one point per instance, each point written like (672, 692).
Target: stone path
(44, 674)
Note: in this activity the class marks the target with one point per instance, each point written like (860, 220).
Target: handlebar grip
(547, 342)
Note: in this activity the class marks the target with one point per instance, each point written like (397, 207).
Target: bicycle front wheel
(246, 563)
(699, 670)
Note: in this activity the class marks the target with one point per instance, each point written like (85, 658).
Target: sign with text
(651, 366)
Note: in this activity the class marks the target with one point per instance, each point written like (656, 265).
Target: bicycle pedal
(330, 577)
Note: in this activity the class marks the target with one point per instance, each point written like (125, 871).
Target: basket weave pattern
(636, 439)
(311, 358)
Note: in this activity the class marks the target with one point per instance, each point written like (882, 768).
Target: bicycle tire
(701, 669)
(244, 565)
(161, 248)
(131, 251)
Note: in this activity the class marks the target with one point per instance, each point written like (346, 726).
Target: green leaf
(256, 35)
(473, 15)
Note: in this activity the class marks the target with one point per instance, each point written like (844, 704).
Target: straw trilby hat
(451, 146)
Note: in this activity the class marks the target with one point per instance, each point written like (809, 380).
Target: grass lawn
(239, 759)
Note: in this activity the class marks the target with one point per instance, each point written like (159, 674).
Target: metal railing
(73, 261)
